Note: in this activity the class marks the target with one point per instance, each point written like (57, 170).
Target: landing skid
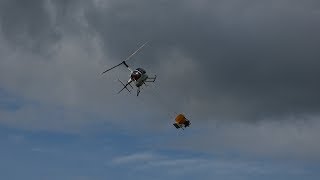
(151, 79)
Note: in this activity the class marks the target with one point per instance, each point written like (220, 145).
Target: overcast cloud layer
(237, 61)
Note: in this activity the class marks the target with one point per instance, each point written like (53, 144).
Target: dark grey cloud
(27, 25)
(215, 60)
(241, 61)
(252, 59)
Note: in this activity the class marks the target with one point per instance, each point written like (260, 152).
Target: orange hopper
(181, 121)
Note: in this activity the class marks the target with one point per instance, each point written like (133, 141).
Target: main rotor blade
(124, 62)
(111, 68)
(136, 51)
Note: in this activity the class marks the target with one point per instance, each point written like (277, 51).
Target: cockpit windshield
(141, 70)
(135, 75)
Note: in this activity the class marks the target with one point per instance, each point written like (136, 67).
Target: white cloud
(44, 150)
(141, 162)
(135, 158)
(16, 138)
(66, 76)
(292, 138)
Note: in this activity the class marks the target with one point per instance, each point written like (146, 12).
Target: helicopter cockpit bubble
(142, 71)
(135, 75)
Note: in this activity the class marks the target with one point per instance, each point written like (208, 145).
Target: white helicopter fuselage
(138, 76)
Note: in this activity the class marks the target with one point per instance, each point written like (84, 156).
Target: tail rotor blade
(124, 86)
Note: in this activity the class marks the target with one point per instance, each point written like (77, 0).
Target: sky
(245, 72)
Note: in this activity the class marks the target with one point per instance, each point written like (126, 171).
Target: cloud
(254, 64)
(236, 60)
(16, 138)
(38, 149)
(63, 72)
(135, 158)
(247, 60)
(212, 167)
(291, 139)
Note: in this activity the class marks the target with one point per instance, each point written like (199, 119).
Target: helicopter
(138, 76)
